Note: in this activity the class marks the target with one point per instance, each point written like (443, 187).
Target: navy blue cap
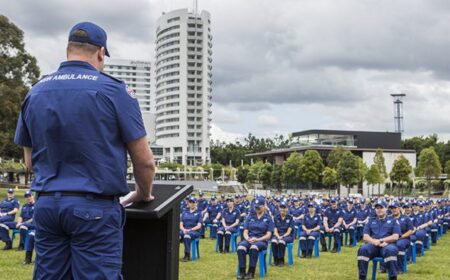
(394, 204)
(95, 35)
(10, 190)
(350, 201)
(229, 198)
(310, 204)
(295, 199)
(363, 201)
(381, 203)
(283, 204)
(213, 197)
(333, 200)
(259, 202)
(222, 195)
(192, 199)
(28, 193)
(200, 193)
(406, 205)
(237, 196)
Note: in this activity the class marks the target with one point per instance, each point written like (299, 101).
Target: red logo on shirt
(131, 92)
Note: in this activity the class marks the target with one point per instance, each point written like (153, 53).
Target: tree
(429, 166)
(330, 177)
(276, 176)
(18, 71)
(447, 168)
(362, 170)
(379, 162)
(335, 156)
(401, 171)
(373, 176)
(348, 170)
(242, 173)
(265, 174)
(311, 166)
(290, 169)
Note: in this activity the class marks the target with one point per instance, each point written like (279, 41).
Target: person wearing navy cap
(297, 212)
(258, 228)
(332, 223)
(8, 209)
(407, 229)
(380, 233)
(190, 227)
(229, 225)
(362, 217)
(349, 220)
(76, 126)
(282, 234)
(407, 210)
(212, 215)
(312, 223)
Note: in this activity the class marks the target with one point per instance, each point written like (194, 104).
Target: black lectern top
(166, 196)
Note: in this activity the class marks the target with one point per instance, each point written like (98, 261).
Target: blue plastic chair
(195, 249)
(427, 242)
(210, 226)
(262, 264)
(233, 245)
(413, 252)
(375, 262)
(330, 236)
(316, 248)
(289, 247)
(17, 231)
(346, 238)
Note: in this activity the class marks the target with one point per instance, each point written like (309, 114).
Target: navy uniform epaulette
(39, 80)
(109, 76)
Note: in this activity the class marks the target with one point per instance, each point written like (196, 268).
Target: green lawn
(434, 265)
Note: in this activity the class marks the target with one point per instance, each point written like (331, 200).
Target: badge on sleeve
(131, 92)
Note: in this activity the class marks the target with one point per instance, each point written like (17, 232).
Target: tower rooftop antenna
(398, 111)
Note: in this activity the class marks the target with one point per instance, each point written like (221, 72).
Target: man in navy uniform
(332, 223)
(380, 233)
(362, 216)
(212, 215)
(76, 126)
(190, 226)
(8, 209)
(407, 229)
(349, 220)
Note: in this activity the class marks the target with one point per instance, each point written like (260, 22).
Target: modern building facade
(182, 81)
(361, 143)
(137, 75)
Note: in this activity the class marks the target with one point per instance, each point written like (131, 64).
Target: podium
(151, 235)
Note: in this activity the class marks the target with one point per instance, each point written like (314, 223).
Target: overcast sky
(282, 66)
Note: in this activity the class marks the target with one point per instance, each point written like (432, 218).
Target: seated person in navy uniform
(381, 234)
(24, 222)
(349, 220)
(362, 217)
(190, 226)
(311, 231)
(433, 216)
(8, 209)
(407, 229)
(229, 224)
(332, 224)
(258, 228)
(212, 215)
(296, 211)
(420, 224)
(407, 212)
(282, 234)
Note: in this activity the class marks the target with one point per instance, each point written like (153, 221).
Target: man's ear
(101, 54)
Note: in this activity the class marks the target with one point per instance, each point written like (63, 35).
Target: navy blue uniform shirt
(381, 228)
(77, 122)
(231, 216)
(191, 219)
(283, 225)
(8, 205)
(27, 212)
(333, 216)
(311, 222)
(258, 227)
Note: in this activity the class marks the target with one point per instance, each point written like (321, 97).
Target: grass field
(434, 265)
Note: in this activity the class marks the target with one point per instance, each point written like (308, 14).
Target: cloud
(307, 63)
(217, 134)
(268, 121)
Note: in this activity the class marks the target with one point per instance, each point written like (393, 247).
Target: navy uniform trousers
(369, 251)
(78, 238)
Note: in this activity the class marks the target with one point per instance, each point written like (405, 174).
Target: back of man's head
(79, 48)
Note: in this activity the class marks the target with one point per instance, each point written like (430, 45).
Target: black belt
(79, 194)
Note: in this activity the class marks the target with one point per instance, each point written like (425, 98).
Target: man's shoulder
(109, 78)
